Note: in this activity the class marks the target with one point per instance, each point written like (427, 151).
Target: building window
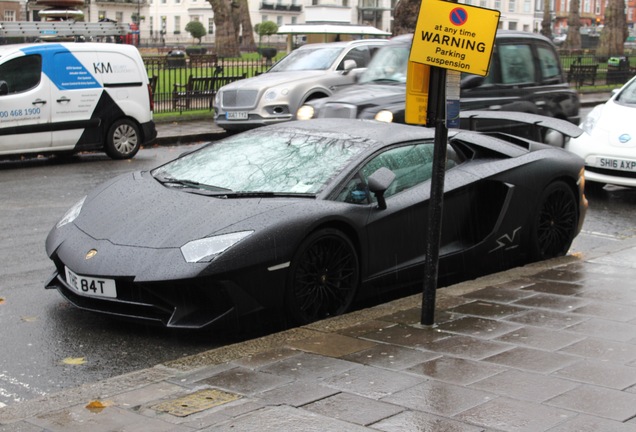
(210, 25)
(102, 14)
(512, 25)
(9, 15)
(511, 6)
(279, 20)
(264, 18)
(498, 6)
(526, 6)
(294, 19)
(119, 16)
(177, 25)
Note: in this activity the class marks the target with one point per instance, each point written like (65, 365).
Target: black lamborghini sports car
(306, 218)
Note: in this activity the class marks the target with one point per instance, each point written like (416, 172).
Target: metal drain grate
(196, 402)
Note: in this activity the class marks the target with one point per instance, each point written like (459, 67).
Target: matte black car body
(508, 87)
(494, 201)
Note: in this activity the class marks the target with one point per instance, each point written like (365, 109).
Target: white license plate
(236, 115)
(616, 164)
(91, 286)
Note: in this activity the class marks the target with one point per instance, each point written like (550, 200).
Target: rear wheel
(123, 139)
(555, 222)
(324, 277)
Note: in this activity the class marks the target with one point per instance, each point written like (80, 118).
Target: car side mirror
(4, 88)
(471, 81)
(349, 65)
(379, 182)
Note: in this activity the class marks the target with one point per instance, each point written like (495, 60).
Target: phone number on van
(20, 112)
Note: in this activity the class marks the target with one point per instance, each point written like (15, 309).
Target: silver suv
(310, 72)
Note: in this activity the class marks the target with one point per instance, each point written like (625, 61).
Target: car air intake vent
(337, 110)
(238, 98)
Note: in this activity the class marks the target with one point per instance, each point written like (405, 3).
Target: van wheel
(123, 140)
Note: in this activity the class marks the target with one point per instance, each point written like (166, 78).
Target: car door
(25, 105)
(396, 235)
(75, 95)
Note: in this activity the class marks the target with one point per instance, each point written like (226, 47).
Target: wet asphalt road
(41, 332)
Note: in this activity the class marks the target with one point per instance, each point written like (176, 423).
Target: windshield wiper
(190, 184)
(256, 194)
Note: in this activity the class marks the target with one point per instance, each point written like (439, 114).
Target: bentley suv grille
(239, 98)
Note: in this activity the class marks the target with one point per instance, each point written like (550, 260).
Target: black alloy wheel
(324, 277)
(555, 222)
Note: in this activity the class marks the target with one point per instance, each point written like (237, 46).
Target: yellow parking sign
(455, 36)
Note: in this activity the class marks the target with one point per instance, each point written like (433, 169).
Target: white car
(309, 72)
(609, 144)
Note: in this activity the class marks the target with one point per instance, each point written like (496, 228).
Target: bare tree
(230, 17)
(573, 41)
(405, 16)
(615, 30)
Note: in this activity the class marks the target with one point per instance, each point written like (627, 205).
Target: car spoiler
(477, 120)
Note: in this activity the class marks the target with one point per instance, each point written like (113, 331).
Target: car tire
(554, 222)
(123, 139)
(323, 278)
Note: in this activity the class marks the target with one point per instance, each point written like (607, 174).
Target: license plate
(616, 164)
(236, 115)
(91, 286)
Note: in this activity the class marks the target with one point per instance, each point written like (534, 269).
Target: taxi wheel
(123, 139)
(324, 277)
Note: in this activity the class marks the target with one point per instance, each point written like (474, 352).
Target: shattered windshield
(388, 65)
(283, 161)
(320, 58)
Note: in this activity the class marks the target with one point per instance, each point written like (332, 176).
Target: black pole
(436, 116)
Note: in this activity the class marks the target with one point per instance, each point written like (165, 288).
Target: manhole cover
(196, 402)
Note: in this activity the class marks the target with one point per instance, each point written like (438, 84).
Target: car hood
(272, 79)
(136, 210)
(370, 94)
(617, 121)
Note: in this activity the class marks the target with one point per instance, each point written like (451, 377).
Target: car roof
(343, 43)
(501, 34)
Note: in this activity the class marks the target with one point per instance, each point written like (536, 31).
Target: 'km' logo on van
(102, 68)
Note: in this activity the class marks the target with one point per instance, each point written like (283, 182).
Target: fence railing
(183, 83)
(171, 74)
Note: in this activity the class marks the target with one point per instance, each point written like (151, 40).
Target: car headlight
(206, 249)
(71, 214)
(305, 112)
(384, 116)
(589, 123)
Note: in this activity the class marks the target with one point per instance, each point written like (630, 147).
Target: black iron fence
(183, 82)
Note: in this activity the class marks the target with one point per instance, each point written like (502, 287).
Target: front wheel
(324, 277)
(123, 139)
(555, 222)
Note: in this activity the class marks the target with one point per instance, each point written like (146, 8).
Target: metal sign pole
(437, 117)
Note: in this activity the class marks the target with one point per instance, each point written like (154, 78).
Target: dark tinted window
(21, 74)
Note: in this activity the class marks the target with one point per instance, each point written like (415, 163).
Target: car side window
(549, 63)
(517, 65)
(360, 55)
(411, 164)
(22, 73)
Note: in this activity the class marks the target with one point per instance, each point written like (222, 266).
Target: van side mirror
(379, 182)
(4, 88)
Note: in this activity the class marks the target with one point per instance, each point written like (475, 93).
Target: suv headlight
(71, 214)
(384, 116)
(305, 112)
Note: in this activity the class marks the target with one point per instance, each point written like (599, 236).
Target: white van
(71, 97)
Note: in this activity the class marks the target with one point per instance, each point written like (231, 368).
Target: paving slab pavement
(546, 347)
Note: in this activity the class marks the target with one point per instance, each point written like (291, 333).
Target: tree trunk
(405, 18)
(546, 22)
(573, 41)
(246, 24)
(615, 30)
(225, 41)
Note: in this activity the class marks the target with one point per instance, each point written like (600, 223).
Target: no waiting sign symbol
(458, 16)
